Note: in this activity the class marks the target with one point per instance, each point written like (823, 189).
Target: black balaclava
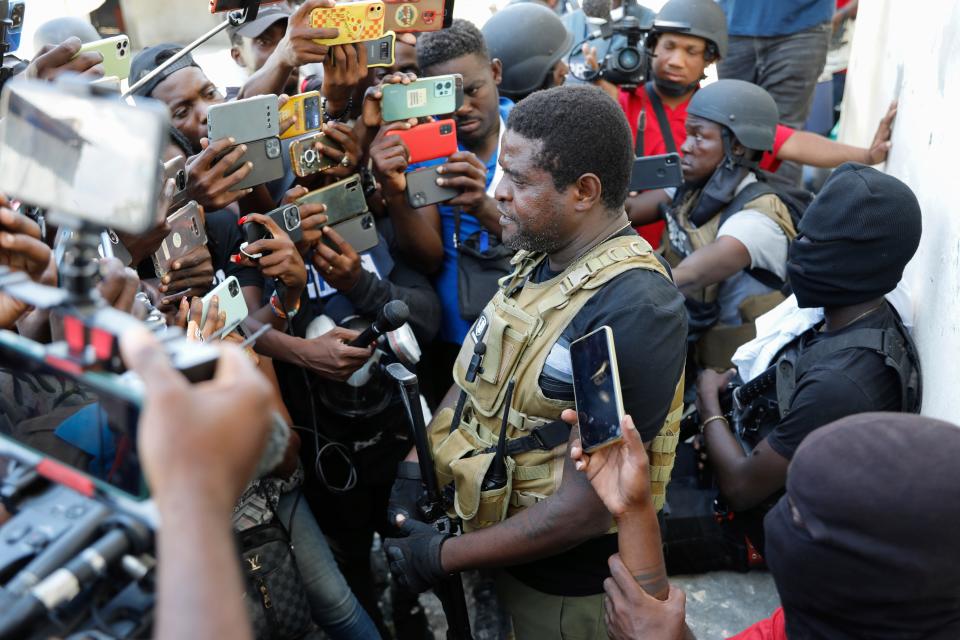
(721, 186)
(855, 239)
(865, 542)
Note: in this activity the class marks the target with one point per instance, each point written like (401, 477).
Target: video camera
(626, 62)
(69, 471)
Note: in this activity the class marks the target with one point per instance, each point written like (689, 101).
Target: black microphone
(63, 585)
(391, 317)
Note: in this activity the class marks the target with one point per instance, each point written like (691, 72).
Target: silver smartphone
(186, 233)
(596, 389)
(244, 120)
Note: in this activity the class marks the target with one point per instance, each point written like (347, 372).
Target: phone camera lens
(234, 288)
(447, 85)
(119, 45)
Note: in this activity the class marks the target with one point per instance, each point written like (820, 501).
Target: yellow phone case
(357, 21)
(306, 111)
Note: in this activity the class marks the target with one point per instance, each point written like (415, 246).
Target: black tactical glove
(415, 560)
(405, 493)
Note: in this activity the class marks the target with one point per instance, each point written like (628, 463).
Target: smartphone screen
(88, 422)
(596, 388)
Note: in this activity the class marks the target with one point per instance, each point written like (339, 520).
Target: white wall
(912, 50)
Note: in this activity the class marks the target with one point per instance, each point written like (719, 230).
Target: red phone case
(430, 140)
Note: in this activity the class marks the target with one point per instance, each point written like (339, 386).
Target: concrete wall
(912, 51)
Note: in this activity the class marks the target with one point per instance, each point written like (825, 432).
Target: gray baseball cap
(267, 16)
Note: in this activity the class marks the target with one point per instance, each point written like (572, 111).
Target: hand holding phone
(304, 109)
(429, 141)
(267, 247)
(116, 54)
(434, 96)
(356, 21)
(596, 389)
(229, 301)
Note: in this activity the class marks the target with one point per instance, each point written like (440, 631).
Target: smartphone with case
(596, 389)
(656, 172)
(306, 160)
(176, 169)
(267, 163)
(116, 53)
(360, 232)
(430, 140)
(356, 21)
(186, 233)
(287, 218)
(344, 199)
(423, 190)
(216, 6)
(244, 120)
(230, 300)
(305, 109)
(433, 96)
(404, 16)
(380, 52)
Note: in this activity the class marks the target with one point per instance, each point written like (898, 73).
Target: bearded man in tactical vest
(566, 158)
(728, 229)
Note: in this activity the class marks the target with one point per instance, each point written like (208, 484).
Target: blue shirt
(766, 18)
(453, 327)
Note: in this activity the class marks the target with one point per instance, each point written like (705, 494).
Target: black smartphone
(656, 172)
(423, 190)
(596, 389)
(287, 218)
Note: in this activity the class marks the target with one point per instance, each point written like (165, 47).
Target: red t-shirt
(635, 101)
(773, 628)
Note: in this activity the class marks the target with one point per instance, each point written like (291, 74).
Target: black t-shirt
(649, 324)
(844, 383)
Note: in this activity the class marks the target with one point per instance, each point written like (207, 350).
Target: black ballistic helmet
(529, 39)
(747, 110)
(701, 18)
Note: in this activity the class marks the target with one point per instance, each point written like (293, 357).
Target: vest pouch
(478, 508)
(507, 335)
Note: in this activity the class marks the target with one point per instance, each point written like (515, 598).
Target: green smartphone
(434, 96)
(116, 55)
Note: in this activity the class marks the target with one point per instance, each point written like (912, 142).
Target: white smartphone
(230, 300)
(596, 389)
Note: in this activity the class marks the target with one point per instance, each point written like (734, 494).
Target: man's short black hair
(582, 130)
(461, 39)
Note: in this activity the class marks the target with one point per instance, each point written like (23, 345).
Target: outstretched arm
(817, 151)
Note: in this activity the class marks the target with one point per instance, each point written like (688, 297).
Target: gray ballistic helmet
(528, 39)
(743, 107)
(702, 18)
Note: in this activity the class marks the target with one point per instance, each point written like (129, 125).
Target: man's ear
(237, 57)
(496, 67)
(738, 149)
(588, 192)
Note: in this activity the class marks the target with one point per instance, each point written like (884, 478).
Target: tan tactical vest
(519, 330)
(717, 346)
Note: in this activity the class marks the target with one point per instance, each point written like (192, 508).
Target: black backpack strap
(662, 120)
(750, 193)
(894, 345)
(544, 438)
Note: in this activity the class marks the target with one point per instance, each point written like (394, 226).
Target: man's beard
(546, 240)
